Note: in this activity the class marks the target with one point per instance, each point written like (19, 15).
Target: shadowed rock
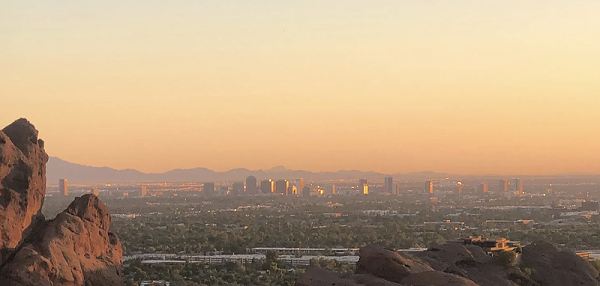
(387, 264)
(435, 278)
(553, 267)
(320, 277)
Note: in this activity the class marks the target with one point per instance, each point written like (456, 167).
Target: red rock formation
(552, 267)
(22, 182)
(387, 264)
(74, 249)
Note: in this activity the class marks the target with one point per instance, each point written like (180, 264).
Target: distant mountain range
(77, 173)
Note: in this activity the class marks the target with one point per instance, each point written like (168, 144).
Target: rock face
(74, 249)
(553, 267)
(469, 261)
(22, 183)
(455, 264)
(387, 264)
(436, 278)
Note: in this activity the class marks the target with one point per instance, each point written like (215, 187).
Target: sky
(466, 87)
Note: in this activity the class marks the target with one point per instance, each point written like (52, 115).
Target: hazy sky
(476, 86)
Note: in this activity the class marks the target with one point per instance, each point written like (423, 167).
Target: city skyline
(485, 87)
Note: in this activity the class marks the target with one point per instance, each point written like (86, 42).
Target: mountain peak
(278, 169)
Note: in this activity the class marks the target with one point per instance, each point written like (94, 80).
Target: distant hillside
(77, 173)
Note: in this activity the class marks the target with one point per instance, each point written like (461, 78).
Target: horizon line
(337, 171)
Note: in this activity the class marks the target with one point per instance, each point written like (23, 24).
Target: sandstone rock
(553, 267)
(435, 278)
(73, 249)
(387, 264)
(22, 183)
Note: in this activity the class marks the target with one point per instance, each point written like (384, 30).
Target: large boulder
(552, 267)
(469, 261)
(22, 183)
(388, 264)
(74, 249)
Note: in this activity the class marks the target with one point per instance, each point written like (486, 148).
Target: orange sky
(509, 87)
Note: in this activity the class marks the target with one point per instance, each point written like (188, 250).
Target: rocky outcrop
(552, 267)
(74, 249)
(436, 278)
(387, 264)
(469, 261)
(22, 183)
(455, 264)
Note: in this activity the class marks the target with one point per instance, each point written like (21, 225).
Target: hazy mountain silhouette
(77, 173)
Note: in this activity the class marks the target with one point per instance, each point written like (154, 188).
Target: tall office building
(483, 188)
(144, 191)
(397, 189)
(362, 182)
(282, 187)
(63, 185)
(96, 192)
(251, 187)
(299, 185)
(429, 187)
(237, 188)
(333, 189)
(518, 187)
(389, 185)
(208, 188)
(306, 192)
(365, 189)
(459, 190)
(267, 186)
(503, 185)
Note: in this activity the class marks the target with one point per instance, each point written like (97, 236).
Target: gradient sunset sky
(506, 87)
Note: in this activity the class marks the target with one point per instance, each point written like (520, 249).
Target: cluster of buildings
(295, 187)
(483, 188)
(252, 186)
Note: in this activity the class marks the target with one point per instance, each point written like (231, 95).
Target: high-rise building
(96, 192)
(144, 191)
(333, 189)
(208, 188)
(429, 187)
(306, 192)
(389, 185)
(282, 187)
(299, 185)
(518, 187)
(459, 191)
(63, 185)
(397, 189)
(503, 185)
(237, 188)
(267, 186)
(365, 189)
(483, 188)
(362, 182)
(251, 187)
